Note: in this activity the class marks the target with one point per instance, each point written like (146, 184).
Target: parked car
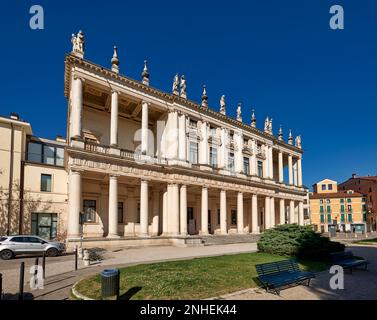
(11, 246)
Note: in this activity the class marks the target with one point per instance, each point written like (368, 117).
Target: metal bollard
(1, 286)
(76, 258)
(86, 258)
(21, 284)
(44, 265)
(80, 251)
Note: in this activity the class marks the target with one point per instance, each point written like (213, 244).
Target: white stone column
(240, 223)
(223, 149)
(299, 172)
(74, 204)
(254, 214)
(144, 208)
(295, 176)
(182, 138)
(253, 159)
(291, 211)
(76, 107)
(165, 209)
(281, 167)
(144, 128)
(155, 211)
(173, 209)
(183, 210)
(204, 213)
(272, 212)
(290, 170)
(267, 213)
(282, 211)
(114, 119)
(301, 213)
(204, 148)
(271, 165)
(113, 207)
(223, 213)
(238, 156)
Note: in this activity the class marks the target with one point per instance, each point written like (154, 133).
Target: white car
(11, 246)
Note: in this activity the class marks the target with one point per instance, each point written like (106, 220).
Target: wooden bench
(348, 261)
(275, 275)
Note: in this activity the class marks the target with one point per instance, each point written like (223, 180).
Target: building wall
(37, 201)
(335, 211)
(369, 188)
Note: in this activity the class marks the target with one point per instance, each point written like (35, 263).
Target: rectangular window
(328, 201)
(194, 152)
(322, 218)
(349, 200)
(364, 217)
(329, 218)
(193, 124)
(323, 187)
(231, 161)
(260, 169)
(120, 212)
(43, 153)
(212, 131)
(321, 201)
(34, 152)
(329, 187)
(246, 165)
(364, 208)
(342, 217)
(342, 208)
(349, 217)
(328, 208)
(233, 217)
(213, 157)
(349, 208)
(46, 182)
(342, 200)
(90, 208)
(364, 199)
(321, 210)
(218, 216)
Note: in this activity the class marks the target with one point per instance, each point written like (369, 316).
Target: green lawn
(368, 241)
(189, 279)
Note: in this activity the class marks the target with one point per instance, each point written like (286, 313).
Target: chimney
(14, 116)
(353, 175)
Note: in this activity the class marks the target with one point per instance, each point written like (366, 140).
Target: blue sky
(279, 57)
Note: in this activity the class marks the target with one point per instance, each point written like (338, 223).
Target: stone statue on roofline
(270, 126)
(298, 141)
(222, 104)
(239, 113)
(175, 84)
(78, 44)
(266, 125)
(183, 87)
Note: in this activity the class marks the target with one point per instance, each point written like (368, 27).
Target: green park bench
(275, 275)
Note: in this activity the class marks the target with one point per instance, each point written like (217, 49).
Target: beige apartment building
(337, 210)
(143, 166)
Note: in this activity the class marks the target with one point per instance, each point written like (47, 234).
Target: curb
(77, 294)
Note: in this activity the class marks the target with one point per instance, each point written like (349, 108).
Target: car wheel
(6, 254)
(52, 252)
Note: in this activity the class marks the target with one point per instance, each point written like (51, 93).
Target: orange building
(337, 210)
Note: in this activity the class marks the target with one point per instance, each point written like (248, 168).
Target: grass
(368, 241)
(189, 279)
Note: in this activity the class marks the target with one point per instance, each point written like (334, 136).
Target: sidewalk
(60, 275)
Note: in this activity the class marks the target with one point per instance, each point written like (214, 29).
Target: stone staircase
(212, 240)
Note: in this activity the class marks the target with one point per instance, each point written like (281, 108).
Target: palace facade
(146, 166)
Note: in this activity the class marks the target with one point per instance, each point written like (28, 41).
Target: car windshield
(3, 238)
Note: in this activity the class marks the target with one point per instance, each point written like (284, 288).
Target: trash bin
(110, 284)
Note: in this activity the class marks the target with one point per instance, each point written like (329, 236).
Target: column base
(112, 236)
(143, 235)
(203, 233)
(74, 237)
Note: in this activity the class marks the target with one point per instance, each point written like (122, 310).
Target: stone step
(229, 239)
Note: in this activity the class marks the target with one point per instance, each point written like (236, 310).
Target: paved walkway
(60, 274)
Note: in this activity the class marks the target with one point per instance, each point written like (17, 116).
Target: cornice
(71, 60)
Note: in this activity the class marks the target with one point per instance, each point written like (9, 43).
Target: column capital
(145, 102)
(77, 77)
(114, 91)
(114, 176)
